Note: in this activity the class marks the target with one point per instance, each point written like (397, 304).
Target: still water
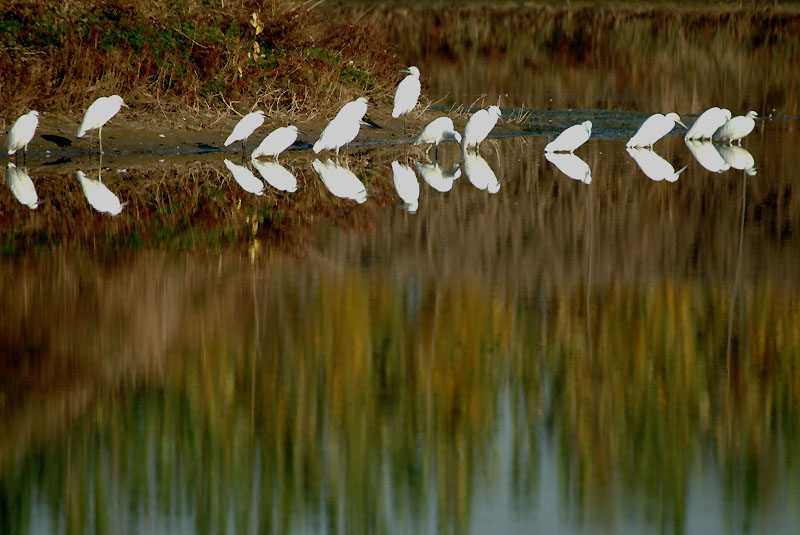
(529, 349)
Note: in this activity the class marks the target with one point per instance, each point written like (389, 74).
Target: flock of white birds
(713, 124)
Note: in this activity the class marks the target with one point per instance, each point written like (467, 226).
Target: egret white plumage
(707, 155)
(246, 126)
(99, 113)
(654, 128)
(340, 181)
(406, 95)
(572, 166)
(435, 132)
(276, 142)
(571, 138)
(406, 184)
(245, 178)
(737, 128)
(654, 166)
(99, 196)
(436, 177)
(22, 186)
(276, 175)
(22, 132)
(707, 123)
(343, 128)
(738, 158)
(479, 173)
(479, 126)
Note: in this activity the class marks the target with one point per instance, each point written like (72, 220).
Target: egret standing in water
(708, 123)
(406, 96)
(737, 128)
(571, 138)
(246, 126)
(276, 142)
(343, 128)
(479, 126)
(22, 132)
(654, 128)
(99, 113)
(437, 131)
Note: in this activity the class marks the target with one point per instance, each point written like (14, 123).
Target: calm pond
(593, 344)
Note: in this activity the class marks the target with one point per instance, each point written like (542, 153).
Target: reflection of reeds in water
(280, 388)
(639, 58)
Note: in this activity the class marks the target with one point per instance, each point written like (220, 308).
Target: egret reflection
(407, 185)
(654, 166)
(276, 175)
(436, 177)
(707, 155)
(479, 173)
(738, 158)
(99, 196)
(570, 165)
(340, 181)
(245, 178)
(22, 186)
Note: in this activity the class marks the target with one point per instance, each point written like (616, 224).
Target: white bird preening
(99, 196)
(737, 128)
(246, 126)
(654, 166)
(707, 123)
(276, 175)
(276, 142)
(343, 128)
(707, 155)
(436, 177)
(479, 126)
(435, 132)
(407, 185)
(406, 95)
(654, 128)
(99, 113)
(571, 138)
(340, 181)
(22, 186)
(245, 178)
(572, 166)
(22, 132)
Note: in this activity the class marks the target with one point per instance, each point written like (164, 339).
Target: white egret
(407, 185)
(22, 132)
(571, 138)
(99, 196)
(436, 177)
(572, 166)
(654, 166)
(22, 186)
(654, 128)
(276, 142)
(406, 95)
(245, 178)
(479, 126)
(737, 128)
(707, 155)
(276, 175)
(738, 158)
(435, 132)
(340, 181)
(479, 172)
(246, 126)
(99, 113)
(707, 123)
(343, 128)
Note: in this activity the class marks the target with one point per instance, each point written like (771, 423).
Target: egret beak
(405, 71)
(683, 125)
